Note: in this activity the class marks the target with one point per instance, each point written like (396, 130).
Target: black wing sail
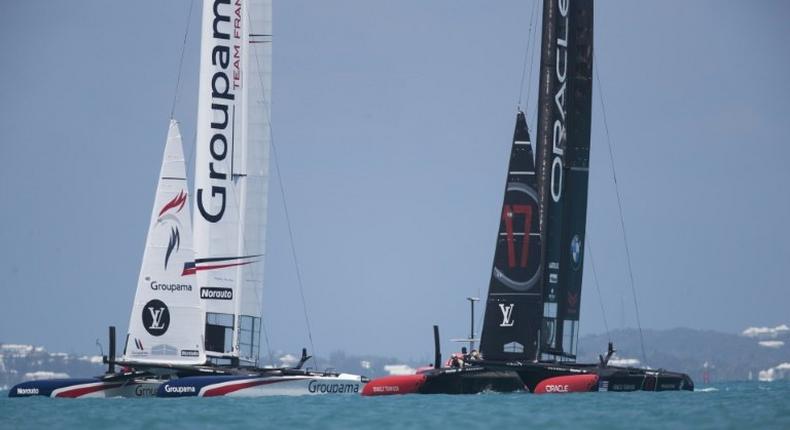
(564, 104)
(513, 309)
(577, 162)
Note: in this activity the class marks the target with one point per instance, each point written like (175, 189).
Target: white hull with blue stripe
(87, 388)
(263, 385)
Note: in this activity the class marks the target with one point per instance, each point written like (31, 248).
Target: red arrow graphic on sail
(178, 201)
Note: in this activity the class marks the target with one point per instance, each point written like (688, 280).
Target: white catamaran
(195, 325)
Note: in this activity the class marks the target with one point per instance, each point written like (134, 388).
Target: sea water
(742, 405)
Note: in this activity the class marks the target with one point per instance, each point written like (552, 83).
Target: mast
(564, 113)
(577, 163)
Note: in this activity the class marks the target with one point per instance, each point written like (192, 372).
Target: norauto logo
(216, 293)
(27, 391)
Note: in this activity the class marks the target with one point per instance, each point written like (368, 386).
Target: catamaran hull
(86, 388)
(259, 386)
(609, 378)
(531, 378)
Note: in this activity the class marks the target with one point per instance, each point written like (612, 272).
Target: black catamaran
(531, 323)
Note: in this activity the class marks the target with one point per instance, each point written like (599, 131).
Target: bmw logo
(576, 252)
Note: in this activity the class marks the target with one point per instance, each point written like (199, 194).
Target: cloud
(399, 369)
(624, 362)
(771, 343)
(288, 360)
(766, 332)
(45, 374)
(781, 371)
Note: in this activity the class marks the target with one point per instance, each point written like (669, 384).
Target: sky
(393, 123)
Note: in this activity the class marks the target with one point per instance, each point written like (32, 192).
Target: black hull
(471, 380)
(513, 377)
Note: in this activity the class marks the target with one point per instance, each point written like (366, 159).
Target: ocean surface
(743, 405)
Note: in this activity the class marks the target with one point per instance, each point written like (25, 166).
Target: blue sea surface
(739, 405)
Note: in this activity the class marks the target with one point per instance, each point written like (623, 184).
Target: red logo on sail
(177, 203)
(508, 212)
(172, 207)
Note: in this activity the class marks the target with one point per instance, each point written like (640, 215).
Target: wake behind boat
(531, 324)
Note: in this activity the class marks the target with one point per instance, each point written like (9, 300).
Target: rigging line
(532, 31)
(287, 217)
(620, 208)
(266, 342)
(293, 251)
(189, 161)
(526, 56)
(598, 287)
(181, 60)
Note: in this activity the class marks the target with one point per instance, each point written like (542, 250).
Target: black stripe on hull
(472, 380)
(506, 378)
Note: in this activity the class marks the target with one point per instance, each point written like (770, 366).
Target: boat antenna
(181, 60)
(472, 301)
(530, 43)
(620, 209)
(480, 318)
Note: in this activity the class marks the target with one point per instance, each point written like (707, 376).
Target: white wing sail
(231, 173)
(167, 307)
